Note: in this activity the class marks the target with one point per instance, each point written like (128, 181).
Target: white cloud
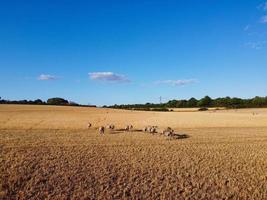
(262, 6)
(108, 76)
(177, 82)
(246, 27)
(263, 19)
(256, 45)
(46, 77)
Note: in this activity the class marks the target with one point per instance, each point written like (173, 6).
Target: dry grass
(56, 117)
(195, 109)
(47, 153)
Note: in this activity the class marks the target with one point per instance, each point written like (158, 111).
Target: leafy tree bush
(205, 102)
(57, 101)
(160, 109)
(71, 103)
(203, 109)
(171, 104)
(226, 102)
(38, 101)
(192, 102)
(259, 101)
(181, 103)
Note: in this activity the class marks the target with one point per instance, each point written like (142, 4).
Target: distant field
(61, 117)
(195, 109)
(46, 152)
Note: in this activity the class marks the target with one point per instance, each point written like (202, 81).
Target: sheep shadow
(125, 131)
(118, 131)
(113, 132)
(177, 136)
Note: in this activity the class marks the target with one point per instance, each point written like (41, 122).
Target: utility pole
(160, 98)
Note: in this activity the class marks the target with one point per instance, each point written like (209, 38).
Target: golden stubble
(47, 153)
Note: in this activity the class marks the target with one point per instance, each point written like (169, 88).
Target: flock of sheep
(168, 132)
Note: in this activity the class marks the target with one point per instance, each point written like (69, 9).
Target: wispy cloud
(177, 82)
(108, 76)
(263, 19)
(246, 27)
(46, 77)
(256, 45)
(256, 32)
(262, 6)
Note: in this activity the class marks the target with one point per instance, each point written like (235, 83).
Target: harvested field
(48, 153)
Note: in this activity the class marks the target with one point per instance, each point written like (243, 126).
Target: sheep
(128, 127)
(168, 131)
(153, 130)
(110, 126)
(101, 130)
(150, 129)
(145, 129)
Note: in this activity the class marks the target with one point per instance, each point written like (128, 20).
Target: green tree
(192, 102)
(171, 103)
(259, 101)
(57, 101)
(205, 102)
(181, 104)
(38, 101)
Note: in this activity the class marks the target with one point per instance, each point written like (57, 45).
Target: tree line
(205, 102)
(52, 101)
(227, 102)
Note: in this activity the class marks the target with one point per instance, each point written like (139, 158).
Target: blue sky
(107, 52)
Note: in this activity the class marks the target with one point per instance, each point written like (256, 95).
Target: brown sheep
(101, 130)
(128, 127)
(111, 126)
(168, 131)
(153, 130)
(145, 129)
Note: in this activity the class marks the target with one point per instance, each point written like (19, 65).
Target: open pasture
(47, 152)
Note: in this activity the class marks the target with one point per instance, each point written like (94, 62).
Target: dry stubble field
(47, 153)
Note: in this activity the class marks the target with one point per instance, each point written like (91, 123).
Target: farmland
(47, 152)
